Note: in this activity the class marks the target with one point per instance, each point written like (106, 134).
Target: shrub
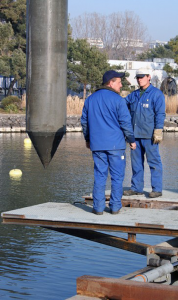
(11, 100)
(11, 108)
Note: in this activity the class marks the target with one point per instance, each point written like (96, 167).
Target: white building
(96, 42)
(156, 43)
(156, 69)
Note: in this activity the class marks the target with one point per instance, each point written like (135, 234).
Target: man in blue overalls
(106, 122)
(147, 109)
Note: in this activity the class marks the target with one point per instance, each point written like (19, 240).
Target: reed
(74, 105)
(171, 104)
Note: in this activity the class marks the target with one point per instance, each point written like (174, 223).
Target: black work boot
(116, 212)
(155, 194)
(97, 212)
(131, 193)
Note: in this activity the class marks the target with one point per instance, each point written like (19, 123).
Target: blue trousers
(114, 161)
(146, 146)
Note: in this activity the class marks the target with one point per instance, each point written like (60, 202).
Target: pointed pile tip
(46, 144)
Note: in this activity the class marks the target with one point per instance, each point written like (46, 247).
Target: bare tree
(87, 26)
(122, 33)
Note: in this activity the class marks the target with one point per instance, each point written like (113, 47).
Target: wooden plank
(119, 289)
(127, 229)
(149, 225)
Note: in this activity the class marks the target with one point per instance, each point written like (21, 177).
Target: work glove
(157, 136)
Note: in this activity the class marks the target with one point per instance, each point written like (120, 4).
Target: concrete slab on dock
(66, 215)
(81, 213)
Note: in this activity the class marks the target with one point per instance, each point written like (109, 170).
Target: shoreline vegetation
(75, 105)
(171, 104)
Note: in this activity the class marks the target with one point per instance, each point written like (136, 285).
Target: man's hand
(88, 145)
(157, 136)
(133, 146)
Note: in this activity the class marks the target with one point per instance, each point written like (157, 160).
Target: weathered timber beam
(106, 239)
(119, 289)
(140, 203)
(140, 228)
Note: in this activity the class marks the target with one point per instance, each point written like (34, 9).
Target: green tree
(14, 12)
(158, 52)
(13, 40)
(14, 65)
(86, 65)
(6, 38)
(173, 46)
(168, 69)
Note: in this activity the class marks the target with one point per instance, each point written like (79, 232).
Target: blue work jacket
(147, 112)
(106, 121)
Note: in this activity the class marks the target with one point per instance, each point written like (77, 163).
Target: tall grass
(74, 105)
(171, 104)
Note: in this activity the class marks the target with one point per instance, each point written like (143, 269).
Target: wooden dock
(139, 215)
(160, 216)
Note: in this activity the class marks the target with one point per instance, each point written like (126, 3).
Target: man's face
(144, 82)
(116, 85)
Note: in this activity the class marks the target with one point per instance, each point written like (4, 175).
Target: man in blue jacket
(106, 122)
(147, 109)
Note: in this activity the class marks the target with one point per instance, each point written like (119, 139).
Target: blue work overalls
(147, 113)
(106, 122)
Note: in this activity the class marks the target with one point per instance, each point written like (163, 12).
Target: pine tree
(86, 65)
(158, 52)
(13, 40)
(173, 46)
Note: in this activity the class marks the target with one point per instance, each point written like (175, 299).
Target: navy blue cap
(111, 74)
(140, 75)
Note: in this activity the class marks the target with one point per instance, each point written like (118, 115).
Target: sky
(159, 16)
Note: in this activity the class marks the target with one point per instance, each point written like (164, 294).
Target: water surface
(37, 263)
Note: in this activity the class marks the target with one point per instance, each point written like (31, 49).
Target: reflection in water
(37, 263)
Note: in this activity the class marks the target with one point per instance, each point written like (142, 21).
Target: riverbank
(17, 123)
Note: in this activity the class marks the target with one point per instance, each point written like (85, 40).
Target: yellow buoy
(27, 141)
(15, 173)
